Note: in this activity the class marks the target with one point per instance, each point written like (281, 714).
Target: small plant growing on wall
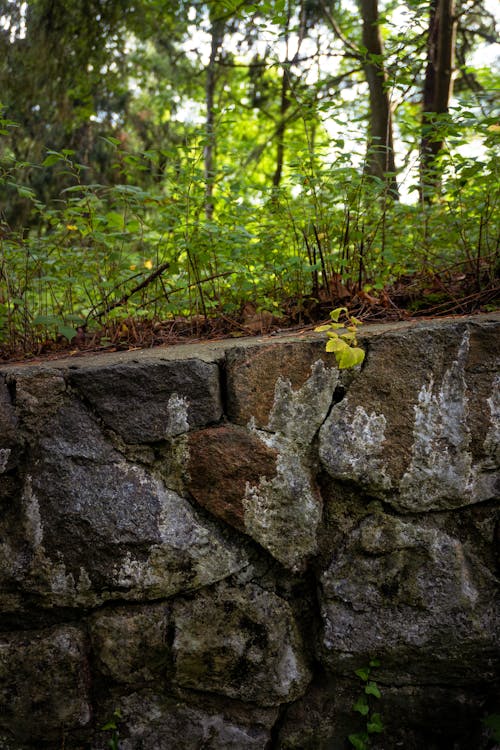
(370, 691)
(344, 345)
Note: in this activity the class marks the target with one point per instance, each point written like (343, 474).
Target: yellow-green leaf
(350, 357)
(336, 345)
(335, 314)
(350, 337)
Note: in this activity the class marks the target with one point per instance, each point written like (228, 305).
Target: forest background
(171, 167)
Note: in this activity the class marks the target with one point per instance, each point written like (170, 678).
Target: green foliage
(492, 722)
(344, 345)
(103, 172)
(112, 726)
(373, 720)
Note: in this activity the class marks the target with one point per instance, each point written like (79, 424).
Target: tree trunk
(438, 87)
(380, 155)
(217, 36)
(281, 129)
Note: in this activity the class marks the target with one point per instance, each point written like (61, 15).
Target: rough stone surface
(130, 645)
(283, 513)
(413, 589)
(404, 431)
(415, 717)
(100, 527)
(149, 720)
(211, 540)
(9, 445)
(253, 372)
(241, 642)
(44, 690)
(222, 463)
(145, 403)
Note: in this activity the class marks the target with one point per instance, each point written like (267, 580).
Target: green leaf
(359, 741)
(67, 331)
(322, 329)
(350, 357)
(361, 706)
(349, 337)
(25, 192)
(335, 314)
(363, 673)
(336, 345)
(372, 689)
(52, 159)
(375, 724)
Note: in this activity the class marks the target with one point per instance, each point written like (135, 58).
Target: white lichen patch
(177, 415)
(298, 414)
(4, 458)
(352, 444)
(190, 553)
(492, 441)
(283, 513)
(32, 519)
(441, 473)
(288, 671)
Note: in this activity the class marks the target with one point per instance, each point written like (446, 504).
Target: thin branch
(123, 300)
(339, 33)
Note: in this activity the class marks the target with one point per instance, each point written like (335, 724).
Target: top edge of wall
(213, 351)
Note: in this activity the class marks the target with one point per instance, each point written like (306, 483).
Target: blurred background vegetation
(167, 165)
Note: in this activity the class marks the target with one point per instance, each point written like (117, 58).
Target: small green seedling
(344, 345)
(374, 724)
(113, 726)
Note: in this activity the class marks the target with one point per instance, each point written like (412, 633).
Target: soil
(420, 296)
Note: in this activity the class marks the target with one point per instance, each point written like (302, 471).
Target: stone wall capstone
(201, 545)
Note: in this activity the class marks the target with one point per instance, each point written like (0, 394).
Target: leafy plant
(344, 345)
(492, 722)
(113, 726)
(373, 719)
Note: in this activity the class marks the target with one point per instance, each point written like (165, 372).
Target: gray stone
(150, 402)
(149, 720)
(373, 490)
(38, 394)
(398, 588)
(241, 642)
(44, 684)
(130, 645)
(10, 447)
(283, 512)
(100, 527)
(414, 717)
(404, 432)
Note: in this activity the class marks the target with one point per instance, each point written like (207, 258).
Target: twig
(123, 300)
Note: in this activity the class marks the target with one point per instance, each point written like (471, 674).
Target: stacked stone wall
(201, 545)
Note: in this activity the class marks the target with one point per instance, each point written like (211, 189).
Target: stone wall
(211, 539)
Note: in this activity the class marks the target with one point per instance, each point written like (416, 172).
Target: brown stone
(222, 462)
(252, 372)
